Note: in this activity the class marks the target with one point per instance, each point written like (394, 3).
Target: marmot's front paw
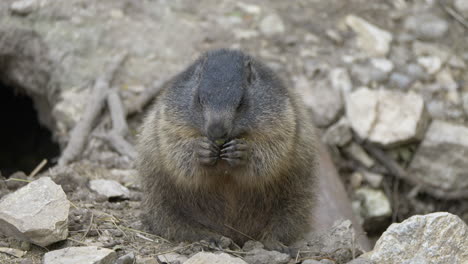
(235, 152)
(208, 152)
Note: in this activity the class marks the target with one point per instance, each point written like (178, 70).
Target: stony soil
(306, 41)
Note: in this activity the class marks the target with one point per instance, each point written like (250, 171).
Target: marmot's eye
(241, 104)
(249, 72)
(198, 100)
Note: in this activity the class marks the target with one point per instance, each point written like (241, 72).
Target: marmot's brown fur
(228, 150)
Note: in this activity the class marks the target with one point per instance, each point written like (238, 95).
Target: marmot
(228, 150)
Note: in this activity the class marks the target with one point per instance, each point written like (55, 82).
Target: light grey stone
(356, 179)
(340, 81)
(375, 203)
(441, 158)
(358, 153)
(127, 259)
(361, 111)
(324, 102)
(426, 26)
(461, 6)
(311, 261)
(361, 261)
(80, 255)
(366, 74)
(465, 102)
(109, 188)
(400, 80)
(271, 25)
(262, 256)
(249, 8)
(172, 258)
(375, 180)
(338, 134)
(415, 71)
(213, 258)
(385, 117)
(429, 239)
(38, 213)
(431, 64)
(329, 244)
(327, 261)
(24, 7)
(371, 39)
(431, 49)
(381, 64)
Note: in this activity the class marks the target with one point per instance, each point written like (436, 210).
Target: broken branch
(80, 132)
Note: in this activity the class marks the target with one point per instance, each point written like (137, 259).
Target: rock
(465, 102)
(430, 49)
(371, 39)
(358, 153)
(383, 65)
(338, 134)
(334, 36)
(212, 258)
(433, 238)
(80, 255)
(311, 261)
(374, 208)
(109, 188)
(375, 203)
(457, 62)
(249, 8)
(366, 74)
(440, 160)
(272, 25)
(375, 180)
(361, 108)
(262, 256)
(340, 81)
(356, 179)
(388, 118)
(172, 258)
(324, 102)
(126, 259)
(24, 7)
(461, 6)
(445, 79)
(426, 26)
(41, 200)
(360, 261)
(432, 64)
(332, 244)
(13, 252)
(251, 245)
(327, 261)
(416, 72)
(400, 81)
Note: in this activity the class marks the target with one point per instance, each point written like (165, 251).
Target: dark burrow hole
(24, 142)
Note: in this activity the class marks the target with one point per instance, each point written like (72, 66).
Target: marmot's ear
(250, 73)
(197, 74)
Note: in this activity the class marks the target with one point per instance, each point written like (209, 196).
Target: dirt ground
(303, 49)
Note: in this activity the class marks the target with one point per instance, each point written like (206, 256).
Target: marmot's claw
(207, 152)
(235, 152)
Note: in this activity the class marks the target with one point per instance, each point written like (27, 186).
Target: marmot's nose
(217, 131)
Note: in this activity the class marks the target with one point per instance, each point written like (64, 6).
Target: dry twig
(80, 132)
(395, 169)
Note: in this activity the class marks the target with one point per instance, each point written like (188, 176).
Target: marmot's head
(229, 92)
